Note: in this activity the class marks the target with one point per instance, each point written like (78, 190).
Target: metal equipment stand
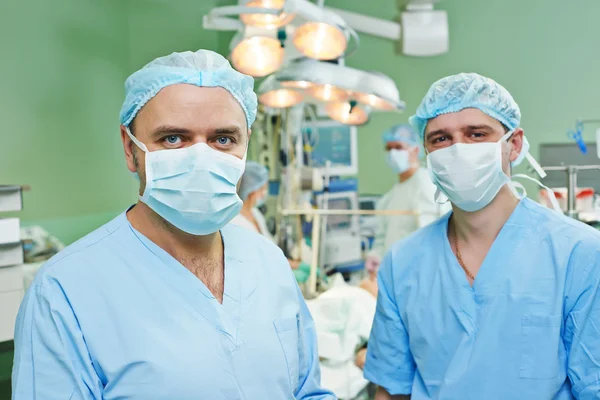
(571, 171)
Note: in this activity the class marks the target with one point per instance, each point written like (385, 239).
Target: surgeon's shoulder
(560, 226)
(574, 239)
(92, 251)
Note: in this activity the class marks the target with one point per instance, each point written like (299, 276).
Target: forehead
(453, 122)
(192, 107)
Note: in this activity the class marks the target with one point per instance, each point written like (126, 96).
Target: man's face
(413, 151)
(471, 126)
(182, 115)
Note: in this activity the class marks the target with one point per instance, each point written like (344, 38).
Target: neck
(174, 241)
(485, 224)
(406, 175)
(246, 209)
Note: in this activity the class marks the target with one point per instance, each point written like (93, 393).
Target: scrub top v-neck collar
(499, 253)
(223, 317)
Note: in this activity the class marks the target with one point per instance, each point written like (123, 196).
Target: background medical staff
(414, 192)
(499, 299)
(253, 191)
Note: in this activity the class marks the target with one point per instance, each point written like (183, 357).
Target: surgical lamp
(349, 113)
(273, 94)
(267, 20)
(349, 94)
(299, 27)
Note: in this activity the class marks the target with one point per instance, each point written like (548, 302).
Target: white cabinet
(9, 307)
(11, 198)
(11, 260)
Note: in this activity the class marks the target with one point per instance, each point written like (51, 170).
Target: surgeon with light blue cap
(253, 191)
(413, 193)
(500, 299)
(168, 301)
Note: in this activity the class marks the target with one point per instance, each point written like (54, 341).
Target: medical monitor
(334, 142)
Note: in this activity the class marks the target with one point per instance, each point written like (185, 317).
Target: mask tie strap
(550, 192)
(145, 196)
(438, 195)
(536, 166)
(139, 144)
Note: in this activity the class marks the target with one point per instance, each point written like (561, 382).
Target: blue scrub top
(116, 317)
(529, 328)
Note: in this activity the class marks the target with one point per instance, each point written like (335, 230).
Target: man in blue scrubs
(167, 301)
(501, 298)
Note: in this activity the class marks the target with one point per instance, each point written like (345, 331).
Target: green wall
(545, 52)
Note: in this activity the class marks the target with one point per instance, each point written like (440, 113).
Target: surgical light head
(203, 68)
(467, 90)
(255, 176)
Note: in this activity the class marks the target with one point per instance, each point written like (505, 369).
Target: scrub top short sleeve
(389, 361)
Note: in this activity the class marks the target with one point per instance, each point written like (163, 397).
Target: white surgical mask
(470, 175)
(398, 160)
(193, 188)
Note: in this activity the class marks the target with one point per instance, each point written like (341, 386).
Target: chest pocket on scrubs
(287, 331)
(540, 346)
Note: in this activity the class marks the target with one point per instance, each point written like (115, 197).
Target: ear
(128, 148)
(516, 142)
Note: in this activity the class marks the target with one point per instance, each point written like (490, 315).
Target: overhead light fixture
(297, 84)
(310, 30)
(267, 20)
(272, 94)
(256, 54)
(337, 83)
(349, 113)
(374, 101)
(320, 40)
(328, 92)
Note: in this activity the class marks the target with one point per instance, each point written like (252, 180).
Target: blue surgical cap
(403, 133)
(203, 68)
(457, 92)
(255, 176)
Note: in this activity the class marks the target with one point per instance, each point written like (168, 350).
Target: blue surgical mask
(398, 160)
(260, 202)
(193, 188)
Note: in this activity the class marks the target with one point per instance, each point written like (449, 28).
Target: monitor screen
(333, 142)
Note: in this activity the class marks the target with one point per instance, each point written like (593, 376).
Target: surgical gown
(529, 328)
(116, 317)
(415, 194)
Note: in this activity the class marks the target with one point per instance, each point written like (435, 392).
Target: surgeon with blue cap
(500, 299)
(412, 193)
(168, 301)
(253, 191)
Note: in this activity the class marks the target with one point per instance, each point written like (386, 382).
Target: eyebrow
(482, 127)
(169, 130)
(228, 130)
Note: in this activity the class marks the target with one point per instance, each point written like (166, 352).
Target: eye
(172, 140)
(478, 135)
(440, 139)
(224, 140)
